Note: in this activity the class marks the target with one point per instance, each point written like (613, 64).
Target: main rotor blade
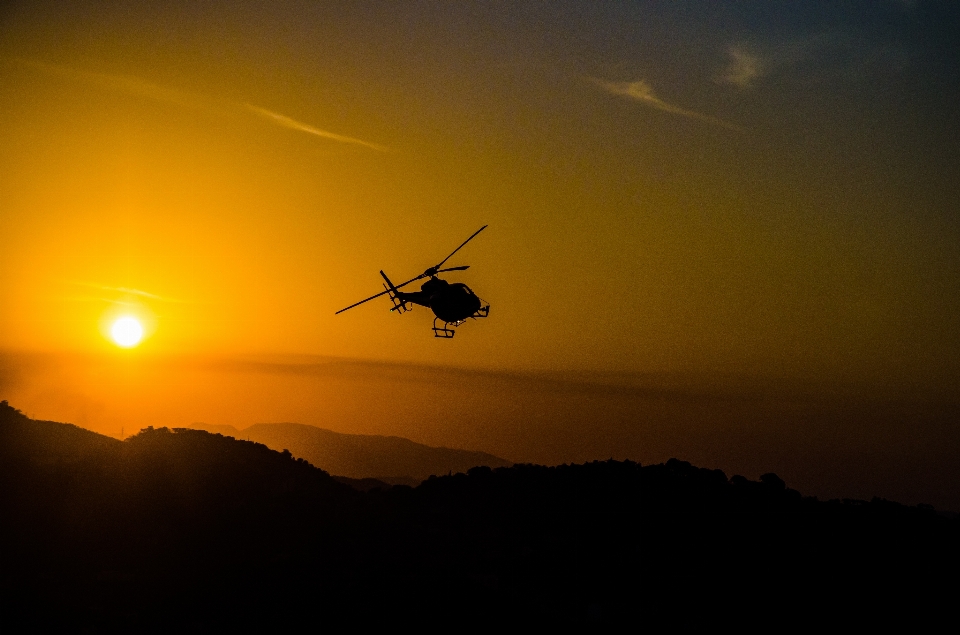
(396, 286)
(362, 301)
(459, 248)
(461, 268)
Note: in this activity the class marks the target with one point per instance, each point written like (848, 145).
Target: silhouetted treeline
(177, 529)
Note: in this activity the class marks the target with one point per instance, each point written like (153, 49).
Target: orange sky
(688, 189)
(620, 235)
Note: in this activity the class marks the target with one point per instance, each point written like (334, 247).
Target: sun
(126, 332)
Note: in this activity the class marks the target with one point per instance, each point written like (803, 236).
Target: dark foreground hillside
(185, 530)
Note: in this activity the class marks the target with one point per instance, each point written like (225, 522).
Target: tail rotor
(399, 305)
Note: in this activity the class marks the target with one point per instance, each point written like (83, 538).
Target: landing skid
(447, 330)
(444, 331)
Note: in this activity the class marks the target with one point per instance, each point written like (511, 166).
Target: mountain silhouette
(394, 460)
(74, 490)
(185, 530)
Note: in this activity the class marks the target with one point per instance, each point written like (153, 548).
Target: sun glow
(126, 332)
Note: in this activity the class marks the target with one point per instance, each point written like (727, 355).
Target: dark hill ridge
(44, 442)
(177, 530)
(360, 456)
(71, 489)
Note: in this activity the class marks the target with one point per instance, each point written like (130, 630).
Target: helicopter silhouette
(451, 303)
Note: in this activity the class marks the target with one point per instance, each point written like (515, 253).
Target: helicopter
(451, 303)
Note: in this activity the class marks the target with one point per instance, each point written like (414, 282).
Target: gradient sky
(749, 186)
(745, 188)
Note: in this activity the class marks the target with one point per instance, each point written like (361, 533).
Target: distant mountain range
(394, 460)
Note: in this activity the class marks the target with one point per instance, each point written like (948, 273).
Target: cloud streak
(141, 88)
(126, 291)
(293, 124)
(640, 91)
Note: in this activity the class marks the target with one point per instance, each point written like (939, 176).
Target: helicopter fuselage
(450, 302)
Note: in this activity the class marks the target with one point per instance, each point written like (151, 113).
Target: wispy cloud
(742, 68)
(642, 92)
(142, 88)
(130, 85)
(127, 302)
(125, 293)
(293, 124)
(826, 56)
